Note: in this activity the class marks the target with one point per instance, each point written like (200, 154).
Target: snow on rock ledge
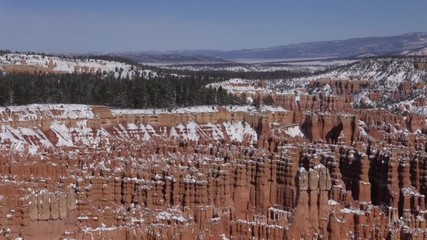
(45, 111)
(197, 109)
(11, 63)
(294, 131)
(37, 127)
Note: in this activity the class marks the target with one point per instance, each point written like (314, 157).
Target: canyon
(213, 120)
(337, 155)
(211, 172)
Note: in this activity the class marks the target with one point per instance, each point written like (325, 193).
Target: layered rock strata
(89, 172)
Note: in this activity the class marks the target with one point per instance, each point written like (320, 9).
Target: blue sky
(141, 25)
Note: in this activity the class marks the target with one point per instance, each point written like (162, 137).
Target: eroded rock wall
(131, 177)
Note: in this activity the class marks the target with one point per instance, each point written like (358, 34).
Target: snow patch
(294, 131)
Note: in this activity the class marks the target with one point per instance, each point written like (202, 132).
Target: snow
(244, 108)
(45, 111)
(132, 126)
(294, 131)
(409, 106)
(223, 237)
(362, 98)
(102, 228)
(192, 129)
(235, 131)
(238, 131)
(278, 210)
(268, 108)
(319, 166)
(172, 214)
(411, 191)
(352, 211)
(257, 66)
(384, 75)
(420, 52)
(16, 137)
(62, 133)
(332, 202)
(216, 132)
(249, 108)
(420, 110)
(70, 65)
(80, 134)
(240, 86)
(197, 109)
(362, 126)
(322, 63)
(155, 111)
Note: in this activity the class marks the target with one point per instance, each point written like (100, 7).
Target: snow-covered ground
(71, 65)
(385, 75)
(45, 111)
(24, 128)
(33, 139)
(197, 109)
(82, 135)
(239, 86)
(297, 66)
(154, 111)
(419, 52)
(294, 131)
(249, 68)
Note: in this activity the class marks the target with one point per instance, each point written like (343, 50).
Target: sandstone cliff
(90, 172)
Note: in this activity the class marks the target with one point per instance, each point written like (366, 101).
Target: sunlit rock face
(236, 172)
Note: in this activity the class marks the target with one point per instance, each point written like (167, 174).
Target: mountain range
(406, 44)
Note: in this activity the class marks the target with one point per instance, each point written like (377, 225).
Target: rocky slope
(397, 84)
(236, 172)
(33, 63)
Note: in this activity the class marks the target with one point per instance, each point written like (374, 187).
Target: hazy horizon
(111, 26)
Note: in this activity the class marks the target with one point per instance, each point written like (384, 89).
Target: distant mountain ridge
(409, 44)
(144, 57)
(405, 44)
(354, 47)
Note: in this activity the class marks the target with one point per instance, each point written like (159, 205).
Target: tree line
(282, 74)
(164, 91)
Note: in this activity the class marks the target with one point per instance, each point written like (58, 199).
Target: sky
(81, 26)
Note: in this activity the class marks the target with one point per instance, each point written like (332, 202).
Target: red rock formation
(128, 177)
(341, 86)
(316, 103)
